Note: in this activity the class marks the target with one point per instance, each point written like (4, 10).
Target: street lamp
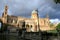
(38, 20)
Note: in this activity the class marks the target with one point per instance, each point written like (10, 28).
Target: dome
(34, 11)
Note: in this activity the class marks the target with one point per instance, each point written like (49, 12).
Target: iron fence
(29, 36)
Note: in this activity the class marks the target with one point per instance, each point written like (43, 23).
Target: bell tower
(4, 18)
(4, 15)
(34, 14)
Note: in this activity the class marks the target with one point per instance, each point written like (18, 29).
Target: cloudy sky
(25, 7)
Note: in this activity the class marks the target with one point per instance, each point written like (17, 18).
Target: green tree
(58, 27)
(57, 1)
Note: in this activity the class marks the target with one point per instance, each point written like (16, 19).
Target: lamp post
(38, 20)
(39, 26)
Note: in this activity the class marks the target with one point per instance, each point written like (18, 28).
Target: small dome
(34, 11)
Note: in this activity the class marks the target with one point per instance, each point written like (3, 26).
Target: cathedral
(33, 24)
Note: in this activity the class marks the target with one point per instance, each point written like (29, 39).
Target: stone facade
(31, 24)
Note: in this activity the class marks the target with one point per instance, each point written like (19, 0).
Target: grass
(52, 31)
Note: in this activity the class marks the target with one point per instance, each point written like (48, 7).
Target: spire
(6, 9)
(47, 16)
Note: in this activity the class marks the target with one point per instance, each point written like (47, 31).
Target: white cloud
(24, 7)
(54, 20)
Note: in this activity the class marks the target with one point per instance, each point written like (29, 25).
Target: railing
(28, 36)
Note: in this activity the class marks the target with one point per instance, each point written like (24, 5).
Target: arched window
(31, 26)
(14, 21)
(27, 25)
